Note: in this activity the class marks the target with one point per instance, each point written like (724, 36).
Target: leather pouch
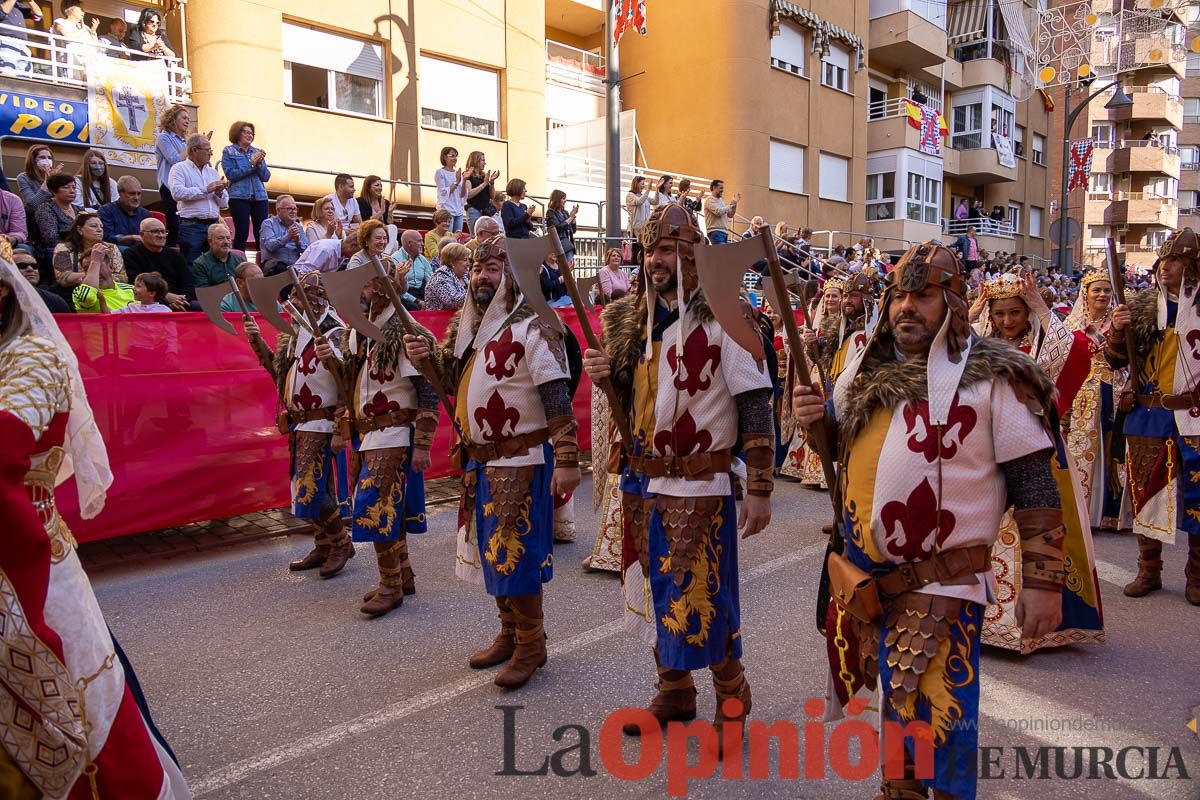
(854, 590)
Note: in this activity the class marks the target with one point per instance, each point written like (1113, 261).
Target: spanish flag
(915, 118)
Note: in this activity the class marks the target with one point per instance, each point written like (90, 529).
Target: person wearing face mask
(93, 186)
(31, 183)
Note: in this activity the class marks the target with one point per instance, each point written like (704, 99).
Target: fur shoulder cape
(1144, 328)
(447, 365)
(884, 382)
(623, 325)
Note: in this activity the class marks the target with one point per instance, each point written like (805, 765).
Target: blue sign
(35, 116)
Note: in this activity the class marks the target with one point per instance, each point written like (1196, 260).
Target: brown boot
(729, 681)
(341, 549)
(1149, 576)
(530, 653)
(1192, 592)
(902, 789)
(675, 701)
(406, 573)
(318, 554)
(506, 641)
(391, 593)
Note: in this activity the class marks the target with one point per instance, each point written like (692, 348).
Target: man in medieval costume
(310, 390)
(1017, 313)
(700, 410)
(938, 431)
(517, 448)
(801, 460)
(394, 421)
(1163, 427)
(1092, 419)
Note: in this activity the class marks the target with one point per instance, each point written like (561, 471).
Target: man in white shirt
(345, 204)
(326, 255)
(200, 194)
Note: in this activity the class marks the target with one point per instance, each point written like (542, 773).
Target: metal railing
(575, 68)
(1169, 149)
(1144, 196)
(985, 226)
(50, 58)
(895, 107)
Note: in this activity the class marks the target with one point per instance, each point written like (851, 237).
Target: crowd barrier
(188, 416)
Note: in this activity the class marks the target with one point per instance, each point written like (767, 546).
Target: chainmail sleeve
(756, 427)
(754, 413)
(1030, 481)
(556, 398)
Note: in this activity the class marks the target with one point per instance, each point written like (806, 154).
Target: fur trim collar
(884, 382)
(387, 353)
(623, 322)
(281, 363)
(1145, 330)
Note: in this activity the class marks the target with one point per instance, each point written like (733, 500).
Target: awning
(968, 20)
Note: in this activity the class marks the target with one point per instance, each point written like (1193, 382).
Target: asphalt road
(270, 684)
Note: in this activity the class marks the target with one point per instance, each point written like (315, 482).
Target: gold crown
(1005, 287)
(1093, 276)
(836, 283)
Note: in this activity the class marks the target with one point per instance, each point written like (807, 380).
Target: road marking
(306, 745)
(1111, 573)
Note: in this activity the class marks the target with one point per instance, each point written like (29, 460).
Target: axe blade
(264, 293)
(585, 290)
(720, 269)
(525, 256)
(210, 298)
(768, 288)
(344, 290)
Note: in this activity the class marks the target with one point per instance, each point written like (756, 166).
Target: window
(881, 196)
(1189, 155)
(1187, 199)
(1098, 235)
(876, 100)
(1193, 65)
(967, 130)
(923, 198)
(786, 167)
(834, 177)
(1019, 140)
(787, 49)
(1191, 109)
(1156, 239)
(1102, 134)
(1100, 183)
(1014, 217)
(1039, 149)
(835, 67)
(456, 97)
(328, 70)
(1035, 221)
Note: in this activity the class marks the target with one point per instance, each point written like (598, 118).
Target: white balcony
(983, 227)
(574, 68)
(48, 58)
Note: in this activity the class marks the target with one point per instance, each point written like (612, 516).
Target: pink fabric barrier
(188, 416)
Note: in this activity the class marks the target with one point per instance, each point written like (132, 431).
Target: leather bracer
(424, 428)
(758, 452)
(563, 437)
(1042, 535)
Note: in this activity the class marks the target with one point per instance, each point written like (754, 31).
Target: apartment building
(1189, 146)
(928, 58)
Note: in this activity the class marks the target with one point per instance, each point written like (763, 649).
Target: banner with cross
(1079, 171)
(125, 101)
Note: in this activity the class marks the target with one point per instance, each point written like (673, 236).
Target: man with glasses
(28, 267)
(123, 217)
(281, 239)
(200, 194)
(152, 255)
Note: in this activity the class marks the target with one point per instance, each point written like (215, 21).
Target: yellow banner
(125, 101)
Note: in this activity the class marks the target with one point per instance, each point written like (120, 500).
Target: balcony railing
(50, 58)
(1144, 196)
(894, 107)
(983, 227)
(575, 68)
(1169, 149)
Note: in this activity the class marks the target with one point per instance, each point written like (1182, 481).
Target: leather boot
(1149, 576)
(729, 681)
(406, 573)
(1192, 592)
(391, 592)
(502, 649)
(341, 549)
(317, 556)
(675, 701)
(530, 653)
(906, 788)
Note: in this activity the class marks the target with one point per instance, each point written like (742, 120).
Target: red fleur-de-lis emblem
(914, 526)
(684, 439)
(305, 398)
(308, 360)
(379, 374)
(700, 360)
(922, 438)
(496, 420)
(379, 404)
(1193, 341)
(501, 357)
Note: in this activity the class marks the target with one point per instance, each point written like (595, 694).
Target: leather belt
(697, 466)
(516, 446)
(377, 422)
(1171, 402)
(310, 414)
(949, 567)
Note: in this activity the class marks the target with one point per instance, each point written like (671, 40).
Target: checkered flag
(1080, 169)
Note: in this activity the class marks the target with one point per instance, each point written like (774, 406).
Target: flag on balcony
(931, 124)
(630, 15)
(125, 102)
(1079, 171)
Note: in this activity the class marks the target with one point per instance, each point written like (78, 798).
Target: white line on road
(305, 745)
(1111, 573)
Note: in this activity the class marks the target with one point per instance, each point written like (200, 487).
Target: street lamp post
(1119, 100)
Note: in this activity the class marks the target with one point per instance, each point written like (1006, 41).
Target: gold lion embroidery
(508, 538)
(691, 558)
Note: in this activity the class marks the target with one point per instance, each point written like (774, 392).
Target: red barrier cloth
(188, 417)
